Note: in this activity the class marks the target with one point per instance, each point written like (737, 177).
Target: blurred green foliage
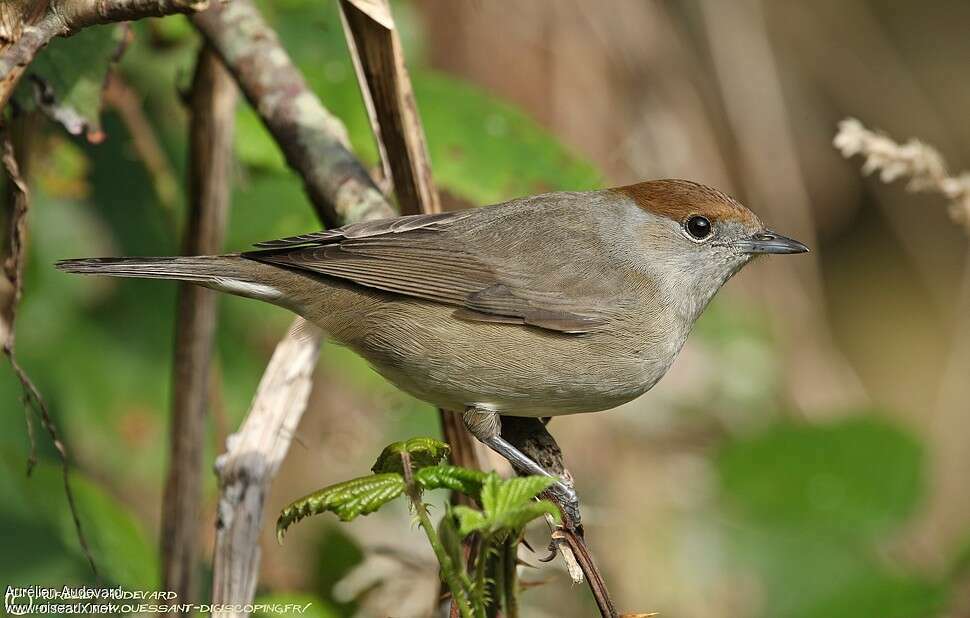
(811, 506)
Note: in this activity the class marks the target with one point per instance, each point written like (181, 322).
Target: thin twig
(13, 265)
(213, 104)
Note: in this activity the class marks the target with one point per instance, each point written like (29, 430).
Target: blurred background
(807, 455)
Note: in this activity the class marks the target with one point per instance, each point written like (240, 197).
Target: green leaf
(507, 506)
(469, 520)
(835, 578)
(859, 476)
(68, 77)
(455, 478)
(423, 452)
(488, 151)
(813, 503)
(347, 500)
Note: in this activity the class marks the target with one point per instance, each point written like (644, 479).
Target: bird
(542, 306)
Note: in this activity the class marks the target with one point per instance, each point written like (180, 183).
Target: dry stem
(920, 163)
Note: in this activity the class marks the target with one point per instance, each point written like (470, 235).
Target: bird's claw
(567, 500)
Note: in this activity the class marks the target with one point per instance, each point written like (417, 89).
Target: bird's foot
(486, 426)
(566, 498)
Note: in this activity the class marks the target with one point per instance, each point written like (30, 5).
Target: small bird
(541, 306)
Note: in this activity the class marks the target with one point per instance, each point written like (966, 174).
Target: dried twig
(378, 58)
(386, 86)
(18, 203)
(252, 458)
(920, 163)
(926, 171)
(213, 104)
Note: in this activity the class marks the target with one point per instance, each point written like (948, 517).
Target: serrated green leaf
(499, 495)
(469, 520)
(423, 452)
(455, 478)
(507, 505)
(360, 496)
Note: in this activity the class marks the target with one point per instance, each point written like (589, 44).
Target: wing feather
(435, 258)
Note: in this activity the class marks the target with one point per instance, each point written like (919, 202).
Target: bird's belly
(518, 371)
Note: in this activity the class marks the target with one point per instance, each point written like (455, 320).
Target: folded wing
(441, 258)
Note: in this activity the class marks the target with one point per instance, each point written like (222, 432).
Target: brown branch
(389, 98)
(17, 206)
(64, 18)
(385, 86)
(531, 437)
(213, 104)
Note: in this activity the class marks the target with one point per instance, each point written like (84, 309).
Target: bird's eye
(698, 227)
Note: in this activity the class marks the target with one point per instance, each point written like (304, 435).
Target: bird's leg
(486, 426)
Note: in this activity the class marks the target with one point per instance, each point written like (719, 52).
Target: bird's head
(695, 237)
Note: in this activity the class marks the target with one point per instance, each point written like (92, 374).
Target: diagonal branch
(314, 142)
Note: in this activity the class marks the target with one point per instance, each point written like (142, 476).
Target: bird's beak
(771, 242)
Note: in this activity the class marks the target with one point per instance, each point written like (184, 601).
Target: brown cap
(679, 199)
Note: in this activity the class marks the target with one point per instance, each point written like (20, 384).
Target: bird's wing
(437, 258)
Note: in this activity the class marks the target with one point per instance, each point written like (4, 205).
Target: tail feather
(226, 273)
(197, 269)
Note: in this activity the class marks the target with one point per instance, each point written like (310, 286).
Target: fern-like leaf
(347, 500)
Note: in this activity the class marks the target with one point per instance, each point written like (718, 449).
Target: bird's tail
(226, 273)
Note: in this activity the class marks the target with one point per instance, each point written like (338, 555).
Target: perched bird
(541, 306)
